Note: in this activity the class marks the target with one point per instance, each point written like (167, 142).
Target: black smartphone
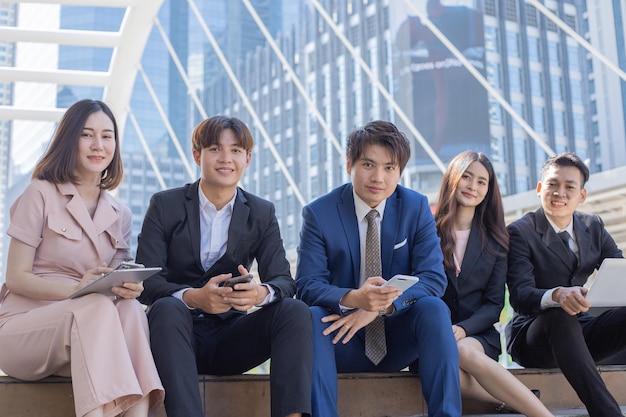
(230, 282)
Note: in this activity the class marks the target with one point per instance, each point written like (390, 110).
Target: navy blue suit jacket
(329, 255)
(538, 261)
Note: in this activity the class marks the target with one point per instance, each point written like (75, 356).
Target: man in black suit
(202, 234)
(546, 271)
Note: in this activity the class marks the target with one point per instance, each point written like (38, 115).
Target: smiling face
(473, 185)
(561, 191)
(374, 175)
(222, 164)
(96, 147)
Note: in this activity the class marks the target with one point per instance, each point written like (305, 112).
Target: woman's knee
(470, 355)
(129, 306)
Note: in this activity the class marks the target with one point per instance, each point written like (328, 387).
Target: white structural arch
(128, 45)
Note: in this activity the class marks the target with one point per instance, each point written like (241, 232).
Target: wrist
(187, 298)
(262, 293)
(388, 311)
(347, 301)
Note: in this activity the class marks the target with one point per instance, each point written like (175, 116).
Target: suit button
(64, 230)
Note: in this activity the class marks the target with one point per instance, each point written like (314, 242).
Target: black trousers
(185, 343)
(575, 344)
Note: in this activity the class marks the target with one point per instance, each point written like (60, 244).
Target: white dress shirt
(214, 225)
(546, 298)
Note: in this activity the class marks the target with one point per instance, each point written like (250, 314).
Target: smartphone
(402, 282)
(230, 282)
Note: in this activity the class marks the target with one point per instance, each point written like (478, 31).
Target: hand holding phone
(230, 282)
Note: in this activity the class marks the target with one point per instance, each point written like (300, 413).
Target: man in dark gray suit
(202, 234)
(552, 252)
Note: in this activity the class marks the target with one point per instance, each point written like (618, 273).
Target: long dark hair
(489, 213)
(59, 161)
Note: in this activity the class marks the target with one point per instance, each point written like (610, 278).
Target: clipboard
(116, 278)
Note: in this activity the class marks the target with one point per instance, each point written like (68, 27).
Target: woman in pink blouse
(67, 230)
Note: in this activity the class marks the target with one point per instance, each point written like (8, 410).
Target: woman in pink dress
(67, 230)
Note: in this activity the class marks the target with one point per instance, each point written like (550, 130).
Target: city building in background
(342, 63)
(538, 70)
(606, 28)
(8, 17)
(160, 103)
(542, 73)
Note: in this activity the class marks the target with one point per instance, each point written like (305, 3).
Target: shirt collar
(361, 208)
(205, 204)
(569, 228)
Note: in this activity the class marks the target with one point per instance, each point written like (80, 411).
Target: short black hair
(567, 159)
(382, 133)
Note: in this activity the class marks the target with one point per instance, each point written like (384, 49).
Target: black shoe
(505, 409)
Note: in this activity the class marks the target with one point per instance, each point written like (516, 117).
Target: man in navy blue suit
(331, 277)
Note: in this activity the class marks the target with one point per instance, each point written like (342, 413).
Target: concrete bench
(363, 394)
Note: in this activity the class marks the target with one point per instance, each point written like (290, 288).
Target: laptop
(608, 288)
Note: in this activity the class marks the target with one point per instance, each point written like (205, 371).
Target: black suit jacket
(476, 296)
(170, 238)
(538, 261)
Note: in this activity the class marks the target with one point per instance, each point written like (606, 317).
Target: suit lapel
(238, 223)
(192, 208)
(347, 216)
(583, 239)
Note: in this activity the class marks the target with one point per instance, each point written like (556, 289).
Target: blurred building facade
(606, 26)
(533, 65)
(568, 97)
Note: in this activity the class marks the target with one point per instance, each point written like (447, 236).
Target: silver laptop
(609, 285)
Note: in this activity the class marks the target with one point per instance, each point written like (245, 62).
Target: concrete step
(558, 412)
(360, 395)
